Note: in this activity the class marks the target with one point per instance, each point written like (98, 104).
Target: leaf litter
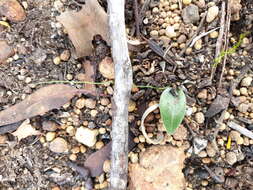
(83, 25)
(40, 102)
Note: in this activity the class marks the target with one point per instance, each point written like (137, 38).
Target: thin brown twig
(219, 42)
(195, 35)
(227, 29)
(137, 18)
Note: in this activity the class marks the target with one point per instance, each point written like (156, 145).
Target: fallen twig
(240, 129)
(220, 37)
(201, 36)
(122, 89)
(137, 18)
(227, 29)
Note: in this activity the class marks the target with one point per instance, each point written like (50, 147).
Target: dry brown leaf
(5, 51)
(12, 10)
(41, 101)
(89, 75)
(83, 25)
(25, 130)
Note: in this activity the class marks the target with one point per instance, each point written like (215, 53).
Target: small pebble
(210, 150)
(243, 108)
(204, 183)
(212, 13)
(190, 14)
(244, 91)
(86, 136)
(55, 188)
(155, 10)
(181, 39)
(99, 145)
(214, 34)
(226, 115)
(131, 106)
(142, 139)
(106, 68)
(198, 44)
(57, 60)
(180, 134)
(83, 149)
(70, 130)
(170, 32)
(105, 101)
(50, 136)
(246, 81)
(49, 126)
(80, 103)
(73, 157)
(134, 158)
(231, 158)
(199, 117)
(154, 33)
(202, 154)
(90, 103)
(202, 94)
(93, 113)
(75, 150)
(65, 55)
(206, 160)
(58, 145)
(187, 2)
(69, 76)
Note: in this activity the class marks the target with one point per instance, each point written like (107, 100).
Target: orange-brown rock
(160, 168)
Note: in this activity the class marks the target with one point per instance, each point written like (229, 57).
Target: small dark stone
(201, 173)
(190, 14)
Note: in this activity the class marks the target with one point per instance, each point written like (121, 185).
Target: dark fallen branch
(122, 89)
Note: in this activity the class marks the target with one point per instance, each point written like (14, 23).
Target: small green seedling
(172, 108)
(230, 50)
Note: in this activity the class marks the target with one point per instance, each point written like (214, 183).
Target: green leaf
(172, 108)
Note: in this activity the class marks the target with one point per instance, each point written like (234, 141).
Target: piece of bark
(219, 104)
(122, 89)
(40, 102)
(83, 25)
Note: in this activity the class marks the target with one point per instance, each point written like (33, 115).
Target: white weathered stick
(240, 129)
(122, 89)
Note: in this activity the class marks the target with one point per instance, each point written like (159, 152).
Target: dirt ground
(29, 164)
